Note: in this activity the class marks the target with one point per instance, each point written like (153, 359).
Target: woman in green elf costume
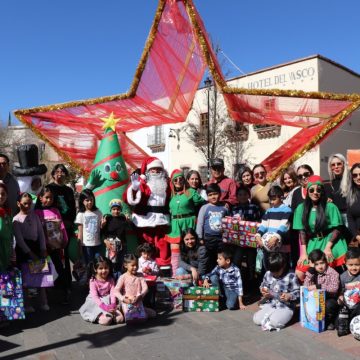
(319, 223)
(183, 204)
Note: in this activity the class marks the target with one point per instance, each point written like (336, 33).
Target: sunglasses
(315, 190)
(178, 179)
(259, 174)
(303, 176)
(336, 164)
(355, 175)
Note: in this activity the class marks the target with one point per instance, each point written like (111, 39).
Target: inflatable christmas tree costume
(109, 177)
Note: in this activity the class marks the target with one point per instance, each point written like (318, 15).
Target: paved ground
(61, 334)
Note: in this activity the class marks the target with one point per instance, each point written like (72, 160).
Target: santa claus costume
(149, 195)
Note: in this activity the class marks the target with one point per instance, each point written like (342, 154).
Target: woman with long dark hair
(245, 177)
(183, 204)
(193, 179)
(193, 256)
(319, 223)
(353, 204)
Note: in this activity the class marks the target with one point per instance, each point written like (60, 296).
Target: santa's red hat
(149, 163)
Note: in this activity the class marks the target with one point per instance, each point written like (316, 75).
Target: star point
(110, 122)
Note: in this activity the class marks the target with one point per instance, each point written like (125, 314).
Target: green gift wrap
(201, 299)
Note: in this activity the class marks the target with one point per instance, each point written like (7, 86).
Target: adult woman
(64, 200)
(183, 203)
(338, 186)
(193, 256)
(353, 204)
(288, 182)
(194, 181)
(318, 222)
(259, 192)
(245, 177)
(303, 173)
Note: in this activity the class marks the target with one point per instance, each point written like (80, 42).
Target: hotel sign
(287, 77)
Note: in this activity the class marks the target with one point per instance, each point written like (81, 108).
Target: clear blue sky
(61, 50)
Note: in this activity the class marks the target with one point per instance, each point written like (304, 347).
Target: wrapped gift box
(134, 313)
(169, 293)
(11, 297)
(239, 232)
(201, 299)
(312, 309)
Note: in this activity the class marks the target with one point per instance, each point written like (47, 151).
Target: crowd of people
(308, 233)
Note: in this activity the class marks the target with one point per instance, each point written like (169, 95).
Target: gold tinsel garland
(315, 140)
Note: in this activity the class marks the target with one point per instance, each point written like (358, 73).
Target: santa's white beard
(157, 183)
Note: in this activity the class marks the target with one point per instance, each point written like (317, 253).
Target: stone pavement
(61, 334)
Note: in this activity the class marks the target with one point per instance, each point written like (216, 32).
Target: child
(131, 286)
(55, 234)
(147, 266)
(321, 276)
(247, 212)
(100, 305)
(245, 209)
(208, 225)
(30, 240)
(280, 289)
(349, 278)
(6, 230)
(114, 228)
(276, 221)
(227, 277)
(89, 220)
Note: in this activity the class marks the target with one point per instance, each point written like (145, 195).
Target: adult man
(227, 186)
(10, 182)
(149, 194)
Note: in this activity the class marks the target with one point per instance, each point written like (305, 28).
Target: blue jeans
(228, 298)
(89, 253)
(181, 271)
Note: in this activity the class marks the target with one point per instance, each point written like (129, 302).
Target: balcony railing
(156, 142)
(267, 131)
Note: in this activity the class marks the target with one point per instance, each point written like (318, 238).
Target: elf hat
(175, 174)
(115, 202)
(315, 180)
(149, 163)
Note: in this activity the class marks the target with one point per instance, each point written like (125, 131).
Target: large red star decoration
(170, 70)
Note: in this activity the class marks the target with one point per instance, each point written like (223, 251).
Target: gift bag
(312, 309)
(54, 235)
(11, 296)
(44, 275)
(113, 248)
(134, 313)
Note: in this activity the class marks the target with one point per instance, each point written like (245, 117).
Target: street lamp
(175, 134)
(208, 83)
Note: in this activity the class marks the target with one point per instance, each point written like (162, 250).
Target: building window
(203, 171)
(156, 140)
(236, 131)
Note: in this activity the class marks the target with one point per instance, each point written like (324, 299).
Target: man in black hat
(227, 186)
(10, 181)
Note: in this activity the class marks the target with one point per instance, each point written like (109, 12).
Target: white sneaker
(45, 307)
(29, 309)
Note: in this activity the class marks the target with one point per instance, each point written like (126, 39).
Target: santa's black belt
(182, 216)
(156, 209)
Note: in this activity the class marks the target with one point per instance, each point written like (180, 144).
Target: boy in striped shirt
(276, 221)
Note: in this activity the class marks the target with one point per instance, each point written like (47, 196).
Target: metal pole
(208, 84)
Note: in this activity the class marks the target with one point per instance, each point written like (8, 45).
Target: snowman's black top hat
(29, 161)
